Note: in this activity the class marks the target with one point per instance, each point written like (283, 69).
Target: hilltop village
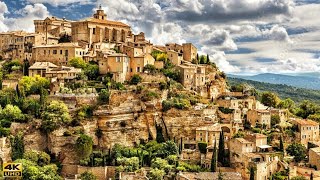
(91, 100)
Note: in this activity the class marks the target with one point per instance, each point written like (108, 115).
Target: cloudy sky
(241, 36)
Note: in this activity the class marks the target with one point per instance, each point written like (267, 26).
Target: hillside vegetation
(284, 91)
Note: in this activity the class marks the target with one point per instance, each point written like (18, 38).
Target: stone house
(115, 63)
(308, 131)
(49, 70)
(59, 54)
(175, 57)
(238, 147)
(12, 44)
(314, 157)
(283, 114)
(262, 117)
(189, 52)
(139, 62)
(208, 134)
(237, 101)
(192, 76)
(53, 25)
(99, 29)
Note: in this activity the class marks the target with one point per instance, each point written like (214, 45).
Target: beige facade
(139, 62)
(208, 134)
(53, 25)
(283, 114)
(114, 63)
(262, 117)
(314, 157)
(12, 45)
(308, 131)
(49, 70)
(175, 57)
(99, 29)
(189, 52)
(59, 54)
(192, 76)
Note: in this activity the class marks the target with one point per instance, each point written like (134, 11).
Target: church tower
(100, 14)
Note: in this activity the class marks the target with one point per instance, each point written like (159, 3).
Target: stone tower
(100, 14)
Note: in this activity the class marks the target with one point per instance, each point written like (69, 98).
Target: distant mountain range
(304, 80)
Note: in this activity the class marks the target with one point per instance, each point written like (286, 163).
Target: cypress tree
(251, 173)
(281, 144)
(311, 176)
(214, 157)
(208, 59)
(221, 148)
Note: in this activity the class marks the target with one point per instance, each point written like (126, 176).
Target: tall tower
(100, 14)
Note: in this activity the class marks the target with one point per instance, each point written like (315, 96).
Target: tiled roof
(106, 22)
(210, 175)
(306, 122)
(43, 65)
(244, 141)
(59, 45)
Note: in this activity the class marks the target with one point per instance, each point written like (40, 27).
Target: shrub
(135, 79)
(84, 145)
(104, 96)
(202, 147)
(88, 176)
(149, 95)
(4, 132)
(226, 110)
(150, 68)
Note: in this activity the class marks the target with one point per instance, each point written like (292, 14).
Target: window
(44, 51)
(66, 52)
(118, 59)
(94, 31)
(61, 52)
(54, 51)
(138, 69)
(130, 69)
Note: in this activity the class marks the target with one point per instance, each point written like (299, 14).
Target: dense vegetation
(284, 91)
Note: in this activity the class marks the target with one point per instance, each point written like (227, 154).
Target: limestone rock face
(35, 141)
(5, 149)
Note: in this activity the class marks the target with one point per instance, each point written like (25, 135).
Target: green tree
(128, 164)
(17, 146)
(221, 151)
(32, 171)
(135, 79)
(104, 96)
(39, 157)
(78, 63)
(55, 114)
(92, 71)
(298, 178)
(168, 148)
(275, 119)
(214, 158)
(307, 108)
(33, 85)
(203, 59)
(252, 173)
(11, 114)
(88, 176)
(84, 145)
(162, 164)
(297, 150)
(270, 99)
(202, 147)
(156, 174)
(286, 104)
(281, 148)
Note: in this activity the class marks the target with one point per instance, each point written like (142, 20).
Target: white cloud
(3, 10)
(62, 2)
(28, 14)
(277, 33)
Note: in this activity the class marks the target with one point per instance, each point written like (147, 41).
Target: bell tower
(100, 14)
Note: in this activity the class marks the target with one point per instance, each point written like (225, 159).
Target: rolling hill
(284, 91)
(302, 81)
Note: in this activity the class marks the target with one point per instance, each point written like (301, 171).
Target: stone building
(49, 70)
(12, 44)
(314, 157)
(99, 29)
(53, 25)
(262, 117)
(208, 176)
(59, 54)
(175, 57)
(116, 64)
(208, 134)
(192, 76)
(189, 52)
(308, 131)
